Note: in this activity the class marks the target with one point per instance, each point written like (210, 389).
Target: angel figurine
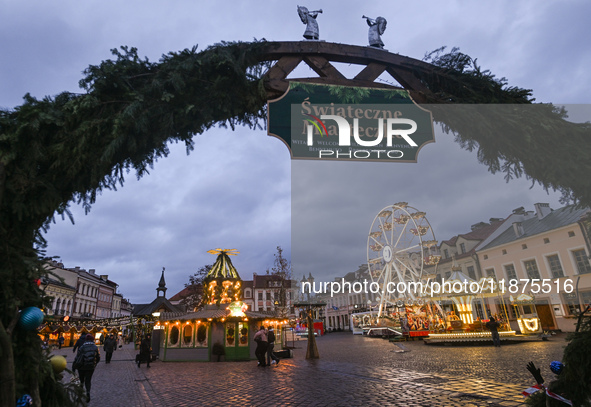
(376, 29)
(309, 18)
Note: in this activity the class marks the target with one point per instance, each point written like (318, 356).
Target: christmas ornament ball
(556, 367)
(30, 318)
(24, 401)
(58, 363)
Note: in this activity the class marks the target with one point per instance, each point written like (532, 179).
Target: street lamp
(311, 281)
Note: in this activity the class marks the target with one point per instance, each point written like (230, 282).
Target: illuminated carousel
(223, 329)
(459, 326)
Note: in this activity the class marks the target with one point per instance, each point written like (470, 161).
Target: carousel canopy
(457, 275)
(223, 267)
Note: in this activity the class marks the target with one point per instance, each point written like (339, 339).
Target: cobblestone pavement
(352, 371)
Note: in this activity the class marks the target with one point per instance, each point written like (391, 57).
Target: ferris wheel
(400, 244)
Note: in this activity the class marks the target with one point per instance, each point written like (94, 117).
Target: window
(555, 266)
(202, 335)
(531, 269)
(490, 273)
(462, 248)
(446, 253)
(485, 257)
(471, 273)
(242, 334)
(572, 303)
(260, 296)
(174, 335)
(524, 246)
(582, 261)
(510, 271)
(571, 233)
(546, 240)
(504, 251)
(247, 293)
(187, 335)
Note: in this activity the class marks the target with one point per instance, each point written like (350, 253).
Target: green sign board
(349, 123)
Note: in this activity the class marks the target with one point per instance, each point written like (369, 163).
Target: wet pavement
(351, 371)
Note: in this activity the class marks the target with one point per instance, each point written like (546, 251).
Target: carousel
(223, 329)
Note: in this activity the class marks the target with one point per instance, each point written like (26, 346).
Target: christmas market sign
(237, 308)
(349, 123)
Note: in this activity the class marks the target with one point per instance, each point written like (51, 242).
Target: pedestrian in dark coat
(145, 350)
(493, 326)
(109, 347)
(261, 339)
(271, 358)
(79, 342)
(86, 360)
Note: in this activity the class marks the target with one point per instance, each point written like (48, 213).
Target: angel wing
(303, 13)
(381, 21)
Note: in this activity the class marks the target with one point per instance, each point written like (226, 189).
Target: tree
(69, 148)
(283, 271)
(194, 298)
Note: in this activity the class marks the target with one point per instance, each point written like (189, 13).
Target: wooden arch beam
(319, 55)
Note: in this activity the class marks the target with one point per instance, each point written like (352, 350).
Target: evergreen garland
(70, 147)
(509, 132)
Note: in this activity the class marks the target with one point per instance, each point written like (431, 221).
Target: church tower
(161, 286)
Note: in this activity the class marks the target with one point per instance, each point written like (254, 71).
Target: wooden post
(312, 352)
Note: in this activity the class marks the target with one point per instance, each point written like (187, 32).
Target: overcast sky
(236, 189)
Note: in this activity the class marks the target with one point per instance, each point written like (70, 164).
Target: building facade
(82, 294)
(340, 306)
(269, 293)
(550, 250)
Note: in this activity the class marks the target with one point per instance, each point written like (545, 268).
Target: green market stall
(223, 329)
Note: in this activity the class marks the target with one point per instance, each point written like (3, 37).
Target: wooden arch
(318, 56)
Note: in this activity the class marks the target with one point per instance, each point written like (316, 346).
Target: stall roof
(211, 313)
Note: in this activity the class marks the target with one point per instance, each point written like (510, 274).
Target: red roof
(181, 294)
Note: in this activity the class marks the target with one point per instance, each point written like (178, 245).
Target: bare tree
(283, 271)
(193, 300)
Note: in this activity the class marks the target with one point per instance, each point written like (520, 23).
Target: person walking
(261, 339)
(79, 342)
(109, 347)
(145, 350)
(60, 341)
(270, 346)
(493, 326)
(85, 362)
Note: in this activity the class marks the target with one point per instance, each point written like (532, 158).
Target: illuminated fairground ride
(400, 244)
